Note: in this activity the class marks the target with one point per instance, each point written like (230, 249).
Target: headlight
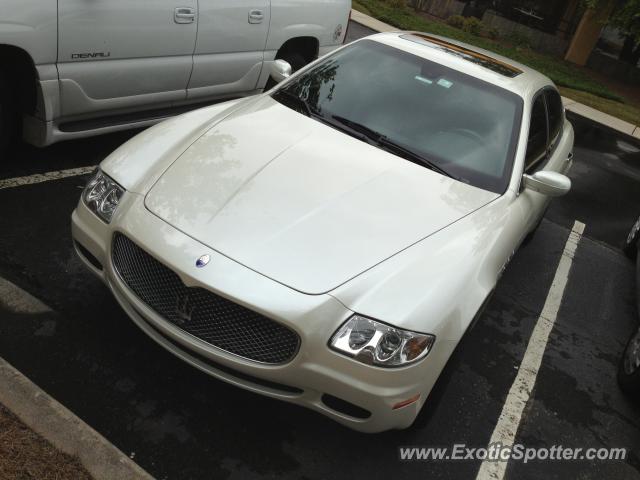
(102, 195)
(376, 343)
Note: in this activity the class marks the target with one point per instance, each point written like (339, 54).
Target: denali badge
(202, 261)
(76, 56)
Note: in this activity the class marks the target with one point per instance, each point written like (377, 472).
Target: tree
(625, 17)
(418, 5)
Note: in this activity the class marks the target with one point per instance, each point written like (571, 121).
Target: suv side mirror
(280, 69)
(552, 184)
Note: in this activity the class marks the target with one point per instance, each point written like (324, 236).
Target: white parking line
(520, 392)
(44, 177)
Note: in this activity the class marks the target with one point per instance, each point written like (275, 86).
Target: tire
(296, 60)
(628, 372)
(7, 117)
(630, 247)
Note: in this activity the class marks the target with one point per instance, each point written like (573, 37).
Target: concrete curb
(371, 22)
(601, 118)
(63, 429)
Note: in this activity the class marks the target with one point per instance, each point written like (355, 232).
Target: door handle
(256, 16)
(184, 15)
(570, 157)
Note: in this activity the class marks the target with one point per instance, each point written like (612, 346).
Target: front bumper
(315, 376)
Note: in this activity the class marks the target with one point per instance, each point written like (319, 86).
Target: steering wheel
(470, 134)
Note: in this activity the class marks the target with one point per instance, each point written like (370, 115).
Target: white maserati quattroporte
(329, 242)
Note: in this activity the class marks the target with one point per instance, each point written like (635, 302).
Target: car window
(556, 113)
(538, 139)
(463, 125)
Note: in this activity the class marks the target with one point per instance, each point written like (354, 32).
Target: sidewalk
(572, 106)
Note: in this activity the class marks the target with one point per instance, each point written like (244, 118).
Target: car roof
(483, 64)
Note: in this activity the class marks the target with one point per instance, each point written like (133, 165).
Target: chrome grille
(199, 312)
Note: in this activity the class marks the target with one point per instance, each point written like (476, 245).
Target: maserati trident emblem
(184, 310)
(202, 261)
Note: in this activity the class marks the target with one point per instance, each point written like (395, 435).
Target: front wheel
(629, 368)
(296, 60)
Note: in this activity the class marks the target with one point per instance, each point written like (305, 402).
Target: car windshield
(432, 115)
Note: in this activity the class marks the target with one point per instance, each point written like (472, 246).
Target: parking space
(179, 423)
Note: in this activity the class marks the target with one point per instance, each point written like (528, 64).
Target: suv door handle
(184, 15)
(570, 157)
(256, 16)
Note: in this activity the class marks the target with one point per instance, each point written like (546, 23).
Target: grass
(356, 5)
(622, 111)
(562, 73)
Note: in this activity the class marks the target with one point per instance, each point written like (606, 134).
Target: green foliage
(473, 26)
(356, 5)
(625, 16)
(396, 3)
(595, 4)
(627, 19)
(492, 33)
(456, 21)
(518, 39)
(628, 113)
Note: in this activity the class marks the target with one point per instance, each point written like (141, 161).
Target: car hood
(300, 202)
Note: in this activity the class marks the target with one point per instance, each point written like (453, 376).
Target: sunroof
(478, 58)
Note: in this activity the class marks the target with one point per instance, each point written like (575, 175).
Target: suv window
(538, 137)
(556, 113)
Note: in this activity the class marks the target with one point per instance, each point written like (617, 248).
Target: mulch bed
(25, 455)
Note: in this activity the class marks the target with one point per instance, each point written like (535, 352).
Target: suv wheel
(629, 368)
(630, 246)
(7, 120)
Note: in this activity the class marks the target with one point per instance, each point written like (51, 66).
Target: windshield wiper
(412, 156)
(358, 127)
(385, 142)
(300, 104)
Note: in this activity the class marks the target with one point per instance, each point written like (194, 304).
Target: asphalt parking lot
(179, 423)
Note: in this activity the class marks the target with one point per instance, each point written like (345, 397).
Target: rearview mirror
(280, 69)
(552, 184)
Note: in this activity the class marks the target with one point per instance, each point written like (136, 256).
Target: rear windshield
(468, 128)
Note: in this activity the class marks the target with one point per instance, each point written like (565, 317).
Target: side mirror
(552, 184)
(280, 69)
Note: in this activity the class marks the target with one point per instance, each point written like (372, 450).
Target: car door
(124, 54)
(545, 150)
(232, 35)
(533, 203)
(559, 152)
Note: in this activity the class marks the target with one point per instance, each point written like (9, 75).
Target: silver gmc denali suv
(75, 68)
